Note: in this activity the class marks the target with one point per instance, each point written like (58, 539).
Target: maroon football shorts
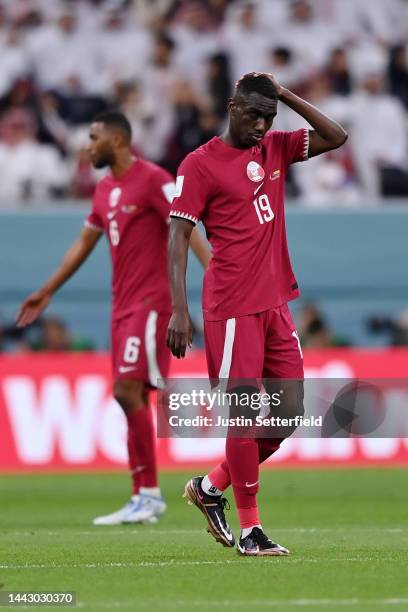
(261, 345)
(139, 348)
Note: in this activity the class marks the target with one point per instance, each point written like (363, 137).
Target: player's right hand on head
(179, 333)
(32, 307)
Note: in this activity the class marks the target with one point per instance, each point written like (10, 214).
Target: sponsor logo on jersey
(255, 172)
(274, 175)
(114, 196)
(128, 209)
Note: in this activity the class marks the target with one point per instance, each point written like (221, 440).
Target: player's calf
(129, 394)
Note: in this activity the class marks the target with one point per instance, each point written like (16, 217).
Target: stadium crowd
(170, 66)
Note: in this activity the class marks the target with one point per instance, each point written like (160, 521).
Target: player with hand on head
(131, 206)
(235, 185)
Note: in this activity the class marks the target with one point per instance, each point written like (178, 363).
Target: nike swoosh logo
(251, 484)
(227, 535)
(138, 469)
(258, 188)
(274, 178)
(124, 369)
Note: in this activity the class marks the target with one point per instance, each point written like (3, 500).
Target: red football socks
(248, 517)
(142, 448)
(241, 467)
(220, 476)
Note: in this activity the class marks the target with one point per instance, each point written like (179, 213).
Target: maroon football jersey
(133, 212)
(238, 194)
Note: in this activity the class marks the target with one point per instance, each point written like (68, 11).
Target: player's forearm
(328, 129)
(72, 260)
(200, 248)
(178, 256)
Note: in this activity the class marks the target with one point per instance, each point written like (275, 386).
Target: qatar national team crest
(255, 172)
(114, 196)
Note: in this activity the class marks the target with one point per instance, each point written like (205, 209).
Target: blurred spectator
(67, 60)
(218, 10)
(282, 63)
(14, 60)
(195, 38)
(379, 139)
(308, 36)
(83, 175)
(150, 128)
(53, 129)
(329, 182)
(338, 72)
(245, 41)
(359, 19)
(381, 20)
(329, 179)
(153, 121)
(314, 331)
(53, 335)
(28, 169)
(123, 50)
(10, 336)
(21, 94)
(219, 85)
(150, 12)
(64, 58)
(46, 334)
(395, 329)
(273, 15)
(193, 124)
(398, 73)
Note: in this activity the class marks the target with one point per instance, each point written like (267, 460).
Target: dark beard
(103, 162)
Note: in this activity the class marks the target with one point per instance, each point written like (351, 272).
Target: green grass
(347, 531)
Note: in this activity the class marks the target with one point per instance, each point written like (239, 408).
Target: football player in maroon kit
(131, 207)
(235, 185)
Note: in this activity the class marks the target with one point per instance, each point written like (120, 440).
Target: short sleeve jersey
(133, 212)
(238, 194)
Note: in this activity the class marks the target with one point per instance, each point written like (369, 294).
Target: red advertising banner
(57, 413)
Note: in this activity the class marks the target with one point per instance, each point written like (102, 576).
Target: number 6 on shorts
(131, 349)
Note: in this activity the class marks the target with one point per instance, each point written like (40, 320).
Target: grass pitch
(347, 531)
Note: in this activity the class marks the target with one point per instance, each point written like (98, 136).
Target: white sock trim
(247, 530)
(209, 488)
(152, 491)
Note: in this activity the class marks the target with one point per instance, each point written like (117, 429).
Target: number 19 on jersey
(263, 209)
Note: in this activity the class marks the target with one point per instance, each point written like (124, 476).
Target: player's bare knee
(129, 394)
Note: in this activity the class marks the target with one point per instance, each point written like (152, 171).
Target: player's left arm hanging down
(180, 329)
(326, 135)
